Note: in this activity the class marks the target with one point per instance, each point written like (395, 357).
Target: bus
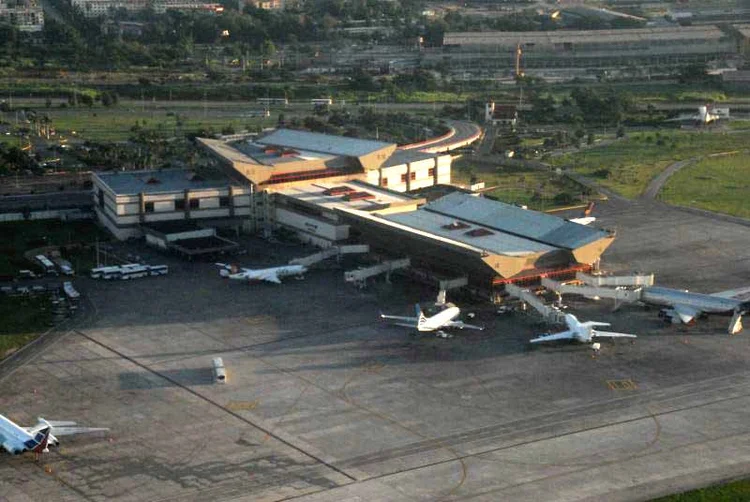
(133, 271)
(321, 101)
(272, 101)
(106, 273)
(47, 265)
(158, 270)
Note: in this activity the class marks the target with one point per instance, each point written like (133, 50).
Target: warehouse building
(601, 48)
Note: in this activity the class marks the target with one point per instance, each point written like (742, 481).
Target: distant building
(582, 48)
(500, 115)
(100, 8)
(266, 4)
(26, 15)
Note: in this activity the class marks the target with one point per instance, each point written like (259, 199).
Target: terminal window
(194, 204)
(223, 201)
(149, 207)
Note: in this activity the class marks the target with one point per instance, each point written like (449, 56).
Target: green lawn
(734, 492)
(23, 320)
(114, 124)
(628, 165)
(532, 188)
(719, 184)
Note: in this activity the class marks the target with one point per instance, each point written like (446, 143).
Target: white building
(26, 15)
(126, 201)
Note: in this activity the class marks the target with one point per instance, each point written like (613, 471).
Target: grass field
(532, 188)
(628, 165)
(115, 124)
(731, 492)
(719, 184)
(23, 320)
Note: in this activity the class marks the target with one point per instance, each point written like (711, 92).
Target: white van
(219, 372)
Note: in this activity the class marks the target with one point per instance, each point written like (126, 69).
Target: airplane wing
(62, 428)
(685, 313)
(611, 334)
(67, 431)
(742, 294)
(563, 335)
(412, 320)
(462, 325)
(268, 276)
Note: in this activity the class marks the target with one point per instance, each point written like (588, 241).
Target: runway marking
(628, 384)
(242, 405)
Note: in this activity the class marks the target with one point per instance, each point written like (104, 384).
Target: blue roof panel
(514, 220)
(324, 143)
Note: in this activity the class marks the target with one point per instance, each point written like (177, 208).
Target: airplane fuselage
(701, 302)
(440, 319)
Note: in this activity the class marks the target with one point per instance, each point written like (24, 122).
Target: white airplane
(266, 274)
(443, 319)
(16, 439)
(580, 331)
(685, 306)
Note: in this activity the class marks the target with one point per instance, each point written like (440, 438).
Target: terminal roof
(338, 195)
(534, 225)
(477, 236)
(407, 156)
(324, 143)
(158, 181)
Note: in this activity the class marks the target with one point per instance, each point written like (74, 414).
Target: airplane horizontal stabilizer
(611, 334)
(563, 335)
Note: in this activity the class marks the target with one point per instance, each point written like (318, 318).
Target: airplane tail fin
(41, 438)
(589, 208)
(441, 297)
(421, 319)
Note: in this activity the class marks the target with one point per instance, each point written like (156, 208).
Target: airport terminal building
(332, 191)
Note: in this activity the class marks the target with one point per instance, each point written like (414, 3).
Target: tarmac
(325, 403)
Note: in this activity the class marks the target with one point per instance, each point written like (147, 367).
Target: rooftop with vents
(351, 194)
(161, 181)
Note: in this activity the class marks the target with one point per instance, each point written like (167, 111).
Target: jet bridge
(361, 275)
(330, 252)
(549, 313)
(616, 280)
(593, 292)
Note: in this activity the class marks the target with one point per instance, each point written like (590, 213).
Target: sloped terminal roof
(540, 227)
(323, 143)
(260, 153)
(476, 236)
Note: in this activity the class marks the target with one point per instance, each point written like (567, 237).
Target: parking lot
(324, 402)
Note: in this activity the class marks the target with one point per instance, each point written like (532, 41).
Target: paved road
(653, 188)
